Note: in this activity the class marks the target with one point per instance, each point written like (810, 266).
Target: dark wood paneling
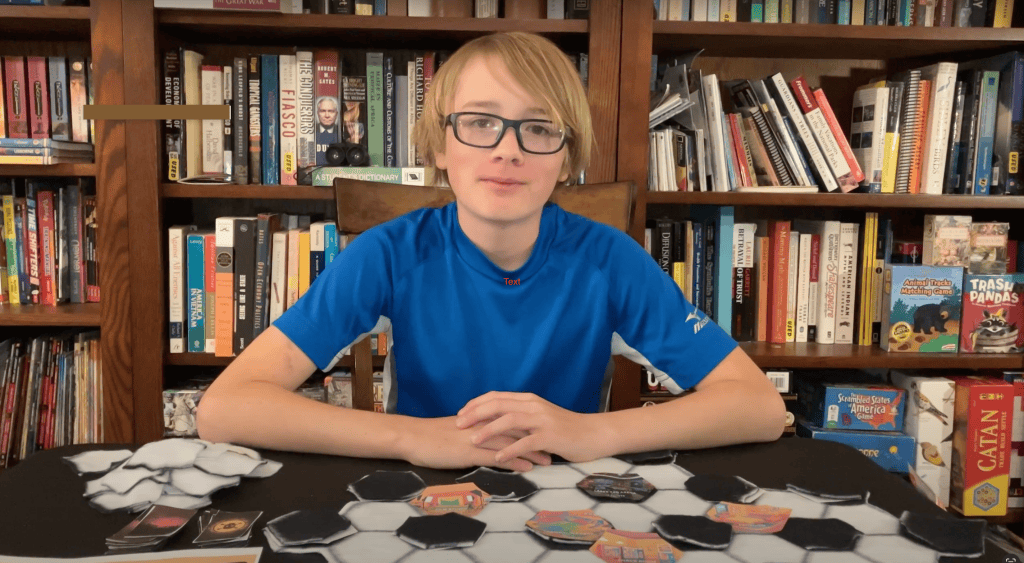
(65, 314)
(147, 234)
(112, 224)
(44, 23)
(830, 200)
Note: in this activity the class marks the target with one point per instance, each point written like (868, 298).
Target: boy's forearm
(267, 416)
(719, 415)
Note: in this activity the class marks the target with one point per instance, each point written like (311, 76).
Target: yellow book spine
(303, 261)
(13, 289)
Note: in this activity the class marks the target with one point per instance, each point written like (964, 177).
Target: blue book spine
(771, 11)
(723, 256)
(986, 132)
(822, 11)
(710, 227)
(60, 109)
(713, 6)
(844, 12)
(686, 10)
(698, 264)
(389, 113)
(195, 270)
(270, 147)
(380, 7)
(19, 235)
(870, 12)
(330, 242)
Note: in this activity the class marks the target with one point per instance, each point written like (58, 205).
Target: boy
(484, 371)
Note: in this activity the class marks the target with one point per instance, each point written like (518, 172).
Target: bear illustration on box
(929, 316)
(921, 308)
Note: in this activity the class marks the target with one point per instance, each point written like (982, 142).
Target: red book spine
(802, 93)
(327, 92)
(38, 98)
(44, 215)
(16, 88)
(778, 283)
(738, 152)
(92, 265)
(922, 126)
(210, 285)
(837, 132)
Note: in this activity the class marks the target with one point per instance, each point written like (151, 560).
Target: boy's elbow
(208, 415)
(774, 421)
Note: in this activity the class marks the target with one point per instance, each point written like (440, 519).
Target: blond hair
(544, 71)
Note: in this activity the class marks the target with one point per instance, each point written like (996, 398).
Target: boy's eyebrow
(494, 106)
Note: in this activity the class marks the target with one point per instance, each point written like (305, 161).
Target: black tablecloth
(43, 512)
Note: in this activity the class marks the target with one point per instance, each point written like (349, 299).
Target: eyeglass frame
(505, 125)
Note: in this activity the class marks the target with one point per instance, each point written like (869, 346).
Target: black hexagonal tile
(388, 486)
(447, 531)
(501, 485)
(948, 536)
(823, 534)
(723, 488)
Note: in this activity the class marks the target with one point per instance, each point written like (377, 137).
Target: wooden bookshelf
(229, 191)
(86, 170)
(196, 359)
(843, 356)
(63, 315)
(45, 23)
(850, 200)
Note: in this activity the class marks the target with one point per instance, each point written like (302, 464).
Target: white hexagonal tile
(834, 557)
(378, 516)
(627, 516)
(507, 547)
(560, 476)
(866, 518)
(561, 499)
(676, 502)
(505, 516)
(603, 465)
(882, 549)
(437, 556)
(707, 556)
(580, 556)
(370, 547)
(801, 507)
(764, 548)
(663, 477)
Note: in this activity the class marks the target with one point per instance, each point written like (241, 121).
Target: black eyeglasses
(485, 130)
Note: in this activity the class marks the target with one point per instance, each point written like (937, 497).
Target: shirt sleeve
(679, 342)
(345, 301)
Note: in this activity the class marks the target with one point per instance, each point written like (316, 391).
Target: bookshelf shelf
(805, 41)
(48, 170)
(68, 314)
(839, 356)
(193, 191)
(201, 25)
(44, 22)
(196, 359)
(852, 200)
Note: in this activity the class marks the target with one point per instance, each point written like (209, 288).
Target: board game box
(928, 419)
(947, 240)
(980, 468)
(1016, 496)
(993, 314)
(893, 451)
(921, 308)
(988, 248)
(851, 406)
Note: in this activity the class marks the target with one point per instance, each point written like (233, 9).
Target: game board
(874, 534)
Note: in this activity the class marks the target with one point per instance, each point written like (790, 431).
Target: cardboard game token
(657, 457)
(723, 488)
(462, 498)
(748, 519)
(820, 534)
(616, 546)
(948, 536)
(303, 527)
(388, 486)
(501, 485)
(627, 486)
(694, 530)
(569, 526)
(447, 531)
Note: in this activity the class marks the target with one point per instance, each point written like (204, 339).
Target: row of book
(227, 284)
(555, 9)
(824, 281)
(51, 393)
(942, 13)
(947, 128)
(287, 110)
(333, 388)
(43, 99)
(49, 241)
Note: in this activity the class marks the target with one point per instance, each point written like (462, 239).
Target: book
(947, 240)
(993, 314)
(988, 248)
(282, 6)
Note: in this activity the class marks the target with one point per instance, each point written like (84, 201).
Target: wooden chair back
(363, 205)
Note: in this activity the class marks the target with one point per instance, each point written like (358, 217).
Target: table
(43, 512)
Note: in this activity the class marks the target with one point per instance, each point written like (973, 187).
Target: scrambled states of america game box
(921, 308)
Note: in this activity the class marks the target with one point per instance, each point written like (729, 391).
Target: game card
(227, 527)
(748, 519)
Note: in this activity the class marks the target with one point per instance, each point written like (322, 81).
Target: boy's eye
(541, 129)
(482, 123)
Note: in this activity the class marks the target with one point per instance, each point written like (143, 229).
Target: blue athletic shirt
(460, 326)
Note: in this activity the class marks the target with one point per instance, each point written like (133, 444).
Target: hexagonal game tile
(834, 557)
(723, 488)
(866, 518)
(387, 486)
(820, 534)
(560, 499)
(801, 507)
(554, 477)
(603, 465)
(694, 530)
(370, 547)
(626, 516)
(755, 548)
(628, 487)
(372, 516)
(505, 516)
(894, 548)
(508, 547)
(946, 535)
(676, 502)
(663, 477)
(501, 485)
(446, 531)
(657, 457)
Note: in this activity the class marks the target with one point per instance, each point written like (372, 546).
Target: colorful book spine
(196, 292)
(289, 114)
(16, 88)
(254, 71)
(306, 140)
(986, 132)
(270, 110)
(60, 118)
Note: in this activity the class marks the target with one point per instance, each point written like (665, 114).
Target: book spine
(212, 83)
(828, 283)
(837, 132)
(31, 226)
(292, 288)
(892, 137)
(777, 87)
(744, 305)
(317, 249)
(195, 291)
(245, 271)
(306, 140)
(867, 266)
(813, 290)
(278, 275)
(909, 132)
(390, 121)
(937, 139)
(916, 164)
(375, 106)
(176, 285)
(847, 279)
(255, 111)
(778, 261)
(77, 99)
(792, 279)
(10, 240)
(986, 132)
(822, 134)
(240, 122)
(803, 288)
(60, 119)
(224, 317)
(304, 260)
(266, 225)
(47, 288)
(270, 112)
(227, 95)
(289, 114)
(210, 286)
(16, 86)
(173, 131)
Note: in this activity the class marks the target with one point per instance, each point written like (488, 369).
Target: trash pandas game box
(993, 314)
(928, 419)
(893, 451)
(921, 308)
(852, 405)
